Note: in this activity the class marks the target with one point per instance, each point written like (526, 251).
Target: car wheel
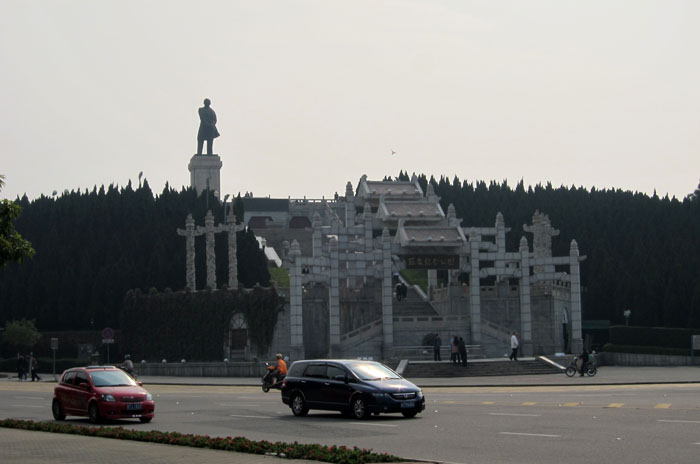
(299, 407)
(57, 410)
(409, 414)
(94, 413)
(145, 420)
(359, 408)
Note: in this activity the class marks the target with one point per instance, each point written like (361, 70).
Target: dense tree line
(92, 247)
(643, 252)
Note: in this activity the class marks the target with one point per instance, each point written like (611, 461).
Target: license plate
(408, 404)
(133, 407)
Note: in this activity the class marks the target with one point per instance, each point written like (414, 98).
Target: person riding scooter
(278, 371)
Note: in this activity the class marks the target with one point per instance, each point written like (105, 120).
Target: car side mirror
(139, 383)
(84, 385)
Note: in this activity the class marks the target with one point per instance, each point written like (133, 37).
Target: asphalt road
(546, 424)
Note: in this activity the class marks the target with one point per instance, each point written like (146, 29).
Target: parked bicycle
(590, 368)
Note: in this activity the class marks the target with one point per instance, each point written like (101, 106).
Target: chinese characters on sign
(432, 262)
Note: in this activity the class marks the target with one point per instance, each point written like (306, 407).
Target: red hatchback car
(101, 392)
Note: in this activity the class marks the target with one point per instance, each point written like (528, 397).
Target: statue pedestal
(203, 169)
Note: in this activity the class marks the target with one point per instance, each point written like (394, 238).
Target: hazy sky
(312, 94)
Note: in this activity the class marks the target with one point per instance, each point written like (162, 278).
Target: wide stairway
(479, 368)
(413, 305)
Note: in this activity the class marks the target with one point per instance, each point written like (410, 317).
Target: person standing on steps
(437, 342)
(463, 351)
(455, 350)
(513, 347)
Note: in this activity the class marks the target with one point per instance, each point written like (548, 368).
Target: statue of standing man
(207, 128)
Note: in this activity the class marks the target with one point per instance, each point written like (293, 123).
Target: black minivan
(353, 387)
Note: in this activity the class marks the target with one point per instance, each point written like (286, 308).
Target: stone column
(387, 310)
(296, 323)
(211, 254)
(349, 206)
(475, 288)
(334, 301)
(316, 238)
(232, 247)
(189, 233)
(367, 217)
(525, 335)
(432, 282)
(499, 262)
(575, 295)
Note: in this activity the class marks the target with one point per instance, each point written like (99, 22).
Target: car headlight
(419, 394)
(149, 397)
(108, 398)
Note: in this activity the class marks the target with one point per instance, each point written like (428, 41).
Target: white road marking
(29, 406)
(29, 398)
(530, 434)
(376, 425)
(512, 414)
(251, 417)
(238, 404)
(679, 421)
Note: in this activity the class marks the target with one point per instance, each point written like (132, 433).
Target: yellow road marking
(488, 402)
(615, 405)
(529, 403)
(570, 405)
(662, 406)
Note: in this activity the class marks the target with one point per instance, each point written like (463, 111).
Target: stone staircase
(480, 368)
(413, 305)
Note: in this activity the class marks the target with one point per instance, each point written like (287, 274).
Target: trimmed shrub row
(334, 454)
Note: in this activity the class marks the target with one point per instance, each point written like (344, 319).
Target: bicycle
(590, 369)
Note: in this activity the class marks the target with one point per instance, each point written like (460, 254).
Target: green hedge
(310, 452)
(652, 336)
(610, 347)
(193, 325)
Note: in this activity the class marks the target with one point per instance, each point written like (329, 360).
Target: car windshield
(372, 371)
(111, 379)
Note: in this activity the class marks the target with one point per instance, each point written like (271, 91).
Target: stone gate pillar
(387, 309)
(525, 335)
(475, 288)
(296, 323)
(575, 295)
(334, 301)
(189, 233)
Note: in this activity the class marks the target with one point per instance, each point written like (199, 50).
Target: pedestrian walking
(436, 347)
(463, 351)
(513, 347)
(33, 367)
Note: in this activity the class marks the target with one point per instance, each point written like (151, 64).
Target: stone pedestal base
(205, 168)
